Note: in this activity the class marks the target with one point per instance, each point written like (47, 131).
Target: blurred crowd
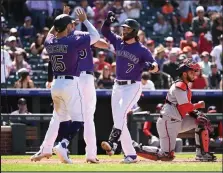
(171, 29)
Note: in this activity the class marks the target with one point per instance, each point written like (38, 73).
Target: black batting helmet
(61, 22)
(131, 23)
(187, 65)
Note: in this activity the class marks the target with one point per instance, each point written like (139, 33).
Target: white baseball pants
(67, 106)
(168, 131)
(89, 95)
(124, 97)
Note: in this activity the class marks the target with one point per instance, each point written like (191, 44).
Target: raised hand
(111, 17)
(81, 14)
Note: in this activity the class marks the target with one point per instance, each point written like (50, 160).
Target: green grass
(106, 166)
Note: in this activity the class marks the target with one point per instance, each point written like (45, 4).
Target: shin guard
(202, 139)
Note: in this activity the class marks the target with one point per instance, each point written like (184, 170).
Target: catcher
(180, 115)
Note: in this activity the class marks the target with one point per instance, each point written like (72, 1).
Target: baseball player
(149, 129)
(86, 78)
(63, 48)
(180, 115)
(131, 57)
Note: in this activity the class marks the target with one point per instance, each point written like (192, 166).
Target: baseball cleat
(129, 159)
(206, 157)
(166, 156)
(108, 148)
(62, 152)
(92, 160)
(39, 155)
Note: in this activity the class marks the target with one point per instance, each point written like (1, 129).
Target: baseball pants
(64, 104)
(124, 97)
(89, 93)
(168, 131)
(156, 143)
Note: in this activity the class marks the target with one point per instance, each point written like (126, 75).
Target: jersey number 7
(131, 66)
(57, 63)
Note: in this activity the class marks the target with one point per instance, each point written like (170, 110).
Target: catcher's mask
(134, 25)
(187, 65)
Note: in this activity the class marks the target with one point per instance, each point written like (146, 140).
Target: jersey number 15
(57, 63)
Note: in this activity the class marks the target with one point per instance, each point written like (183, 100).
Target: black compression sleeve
(50, 72)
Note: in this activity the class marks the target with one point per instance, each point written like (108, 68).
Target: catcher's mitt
(202, 120)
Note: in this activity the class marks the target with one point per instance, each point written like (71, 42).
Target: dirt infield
(102, 161)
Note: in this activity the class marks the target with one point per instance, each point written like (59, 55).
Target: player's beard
(189, 79)
(127, 37)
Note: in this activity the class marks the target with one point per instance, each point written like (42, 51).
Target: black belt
(171, 119)
(125, 82)
(90, 72)
(65, 77)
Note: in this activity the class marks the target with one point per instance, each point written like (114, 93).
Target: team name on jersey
(57, 48)
(128, 55)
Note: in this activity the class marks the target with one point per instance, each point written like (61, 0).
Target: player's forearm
(105, 29)
(102, 44)
(94, 35)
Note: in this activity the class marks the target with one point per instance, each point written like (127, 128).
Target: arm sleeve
(146, 128)
(94, 35)
(50, 72)
(105, 30)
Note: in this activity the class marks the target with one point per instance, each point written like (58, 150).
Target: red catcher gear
(205, 140)
(187, 65)
(202, 139)
(187, 107)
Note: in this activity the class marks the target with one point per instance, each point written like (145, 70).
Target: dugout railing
(39, 102)
(31, 129)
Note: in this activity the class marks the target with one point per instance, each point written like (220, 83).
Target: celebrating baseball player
(131, 57)
(86, 78)
(64, 50)
(180, 115)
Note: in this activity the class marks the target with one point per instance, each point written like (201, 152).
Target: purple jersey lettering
(85, 55)
(130, 58)
(63, 53)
